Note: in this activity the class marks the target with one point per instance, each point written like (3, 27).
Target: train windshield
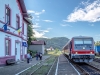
(78, 41)
(87, 41)
(83, 44)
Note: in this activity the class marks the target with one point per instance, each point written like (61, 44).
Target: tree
(97, 43)
(30, 30)
(29, 33)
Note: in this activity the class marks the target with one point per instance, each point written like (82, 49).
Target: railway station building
(13, 30)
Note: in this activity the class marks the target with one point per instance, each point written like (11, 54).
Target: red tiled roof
(40, 42)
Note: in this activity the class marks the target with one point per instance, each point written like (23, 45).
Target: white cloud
(31, 11)
(36, 25)
(47, 20)
(90, 13)
(85, 3)
(36, 12)
(66, 25)
(41, 33)
(43, 11)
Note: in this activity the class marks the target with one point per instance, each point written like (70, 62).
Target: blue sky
(65, 18)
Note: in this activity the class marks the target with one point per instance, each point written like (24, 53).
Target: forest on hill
(56, 42)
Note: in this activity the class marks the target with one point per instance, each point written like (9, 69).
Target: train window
(83, 44)
(87, 41)
(78, 41)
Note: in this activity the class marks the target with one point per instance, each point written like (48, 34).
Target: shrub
(33, 52)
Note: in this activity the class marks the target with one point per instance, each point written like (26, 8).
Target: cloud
(36, 12)
(90, 13)
(36, 25)
(31, 11)
(47, 21)
(66, 25)
(43, 11)
(41, 33)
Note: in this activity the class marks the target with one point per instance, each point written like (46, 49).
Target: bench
(10, 61)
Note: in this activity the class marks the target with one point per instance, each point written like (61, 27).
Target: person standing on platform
(40, 56)
(37, 55)
(28, 57)
(31, 56)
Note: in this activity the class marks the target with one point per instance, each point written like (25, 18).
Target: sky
(65, 18)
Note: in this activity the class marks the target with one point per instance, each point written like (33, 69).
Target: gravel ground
(96, 64)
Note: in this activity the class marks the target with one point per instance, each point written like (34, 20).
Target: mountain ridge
(55, 42)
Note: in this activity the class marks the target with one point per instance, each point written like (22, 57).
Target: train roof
(81, 37)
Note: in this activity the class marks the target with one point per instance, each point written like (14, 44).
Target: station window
(17, 22)
(8, 15)
(23, 28)
(7, 47)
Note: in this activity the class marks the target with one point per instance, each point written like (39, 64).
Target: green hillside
(56, 42)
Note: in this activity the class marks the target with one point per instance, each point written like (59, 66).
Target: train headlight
(90, 52)
(75, 52)
(83, 47)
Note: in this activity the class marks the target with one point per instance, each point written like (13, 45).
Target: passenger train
(80, 49)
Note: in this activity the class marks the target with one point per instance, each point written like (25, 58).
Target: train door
(70, 48)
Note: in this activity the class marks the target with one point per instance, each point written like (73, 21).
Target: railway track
(89, 69)
(86, 69)
(97, 60)
(50, 70)
(45, 67)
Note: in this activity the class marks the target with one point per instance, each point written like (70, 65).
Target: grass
(43, 70)
(46, 66)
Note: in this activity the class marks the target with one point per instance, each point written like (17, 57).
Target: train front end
(83, 50)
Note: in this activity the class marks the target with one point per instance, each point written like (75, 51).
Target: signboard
(24, 44)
